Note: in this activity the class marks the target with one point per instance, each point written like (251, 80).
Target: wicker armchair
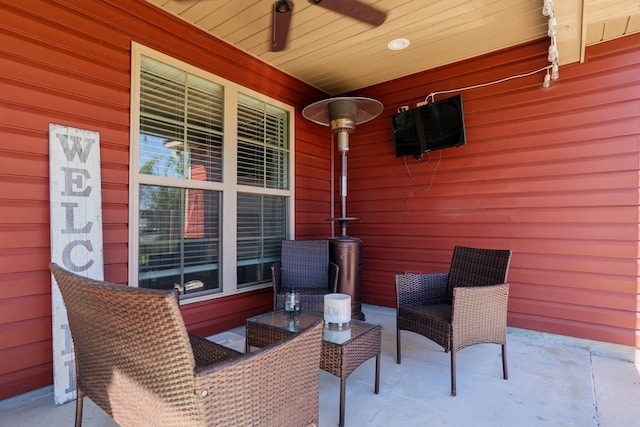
(135, 359)
(304, 266)
(458, 309)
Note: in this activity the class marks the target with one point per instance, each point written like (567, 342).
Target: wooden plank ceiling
(338, 54)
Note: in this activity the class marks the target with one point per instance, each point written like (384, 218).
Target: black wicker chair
(136, 360)
(458, 309)
(305, 266)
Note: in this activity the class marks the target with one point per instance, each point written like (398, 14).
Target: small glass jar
(292, 302)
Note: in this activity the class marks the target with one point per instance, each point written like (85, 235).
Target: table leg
(377, 389)
(343, 384)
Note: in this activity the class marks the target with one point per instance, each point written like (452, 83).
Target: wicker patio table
(343, 349)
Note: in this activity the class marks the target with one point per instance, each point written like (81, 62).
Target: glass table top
(337, 334)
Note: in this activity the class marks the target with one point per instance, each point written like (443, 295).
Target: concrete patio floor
(553, 381)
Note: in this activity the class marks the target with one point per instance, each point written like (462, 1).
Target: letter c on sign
(66, 255)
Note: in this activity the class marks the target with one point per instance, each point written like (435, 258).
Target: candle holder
(292, 302)
(337, 309)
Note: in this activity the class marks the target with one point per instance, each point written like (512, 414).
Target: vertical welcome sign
(76, 234)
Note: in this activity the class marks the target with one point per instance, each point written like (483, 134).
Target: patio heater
(342, 114)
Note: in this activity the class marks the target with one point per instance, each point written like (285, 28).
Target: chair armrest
(276, 269)
(479, 314)
(208, 352)
(277, 385)
(333, 277)
(421, 289)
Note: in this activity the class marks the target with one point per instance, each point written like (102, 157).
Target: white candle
(337, 308)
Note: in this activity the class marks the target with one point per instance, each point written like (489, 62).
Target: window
(211, 194)
(260, 231)
(262, 163)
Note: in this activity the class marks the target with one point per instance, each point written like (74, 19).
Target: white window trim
(229, 186)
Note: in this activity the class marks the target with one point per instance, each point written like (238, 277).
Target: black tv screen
(430, 127)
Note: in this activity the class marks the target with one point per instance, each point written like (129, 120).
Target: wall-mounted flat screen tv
(430, 127)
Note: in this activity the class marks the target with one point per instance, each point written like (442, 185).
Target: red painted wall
(550, 173)
(68, 62)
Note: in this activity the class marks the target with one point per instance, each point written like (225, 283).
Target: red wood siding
(550, 173)
(68, 62)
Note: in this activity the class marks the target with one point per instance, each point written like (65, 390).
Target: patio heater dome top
(355, 109)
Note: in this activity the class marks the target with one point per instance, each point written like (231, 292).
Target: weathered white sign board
(76, 234)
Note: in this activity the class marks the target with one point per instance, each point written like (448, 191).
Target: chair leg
(505, 371)
(398, 355)
(453, 372)
(79, 402)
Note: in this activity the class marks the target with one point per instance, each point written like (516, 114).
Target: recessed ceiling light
(398, 44)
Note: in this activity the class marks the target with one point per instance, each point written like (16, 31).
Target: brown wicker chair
(458, 309)
(135, 359)
(304, 266)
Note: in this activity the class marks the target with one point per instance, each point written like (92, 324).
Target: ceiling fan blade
(280, 24)
(354, 9)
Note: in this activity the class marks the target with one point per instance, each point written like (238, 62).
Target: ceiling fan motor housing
(283, 6)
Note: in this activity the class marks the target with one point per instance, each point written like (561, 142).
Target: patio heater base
(346, 252)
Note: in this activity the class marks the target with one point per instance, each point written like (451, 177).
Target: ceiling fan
(355, 9)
